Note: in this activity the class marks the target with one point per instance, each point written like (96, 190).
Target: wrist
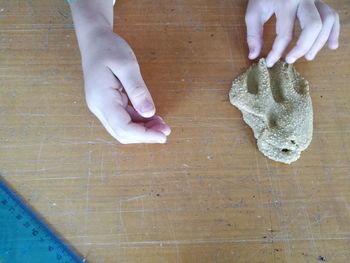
(89, 16)
(89, 30)
(93, 39)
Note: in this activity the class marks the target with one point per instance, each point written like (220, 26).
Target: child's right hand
(318, 21)
(111, 75)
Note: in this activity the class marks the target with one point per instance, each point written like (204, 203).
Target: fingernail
(162, 127)
(167, 131)
(251, 52)
(291, 60)
(269, 63)
(309, 56)
(334, 45)
(147, 107)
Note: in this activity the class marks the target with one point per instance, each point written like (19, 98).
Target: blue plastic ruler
(24, 237)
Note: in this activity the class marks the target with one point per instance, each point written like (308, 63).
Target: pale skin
(112, 75)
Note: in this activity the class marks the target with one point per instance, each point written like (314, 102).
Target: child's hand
(111, 75)
(319, 23)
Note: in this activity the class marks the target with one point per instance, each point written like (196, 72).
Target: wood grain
(208, 195)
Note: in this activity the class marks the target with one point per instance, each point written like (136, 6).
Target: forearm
(90, 17)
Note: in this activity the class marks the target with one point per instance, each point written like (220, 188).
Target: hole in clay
(272, 122)
(285, 150)
(277, 85)
(300, 85)
(292, 141)
(252, 83)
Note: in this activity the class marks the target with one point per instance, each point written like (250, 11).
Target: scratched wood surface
(208, 195)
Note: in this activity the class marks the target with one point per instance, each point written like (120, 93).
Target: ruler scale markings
(24, 237)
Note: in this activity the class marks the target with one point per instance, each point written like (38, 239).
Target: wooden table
(208, 195)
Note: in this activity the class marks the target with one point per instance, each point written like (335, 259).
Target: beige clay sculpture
(276, 104)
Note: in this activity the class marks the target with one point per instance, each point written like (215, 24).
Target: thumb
(135, 87)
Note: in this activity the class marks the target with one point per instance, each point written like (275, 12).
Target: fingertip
(162, 140)
(333, 45)
(157, 134)
(290, 59)
(253, 52)
(269, 64)
(167, 131)
(148, 114)
(163, 128)
(309, 56)
(252, 56)
(146, 109)
(270, 61)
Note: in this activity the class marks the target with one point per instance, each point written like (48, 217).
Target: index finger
(284, 31)
(138, 133)
(311, 24)
(119, 124)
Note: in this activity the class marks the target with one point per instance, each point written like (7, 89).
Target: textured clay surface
(276, 104)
